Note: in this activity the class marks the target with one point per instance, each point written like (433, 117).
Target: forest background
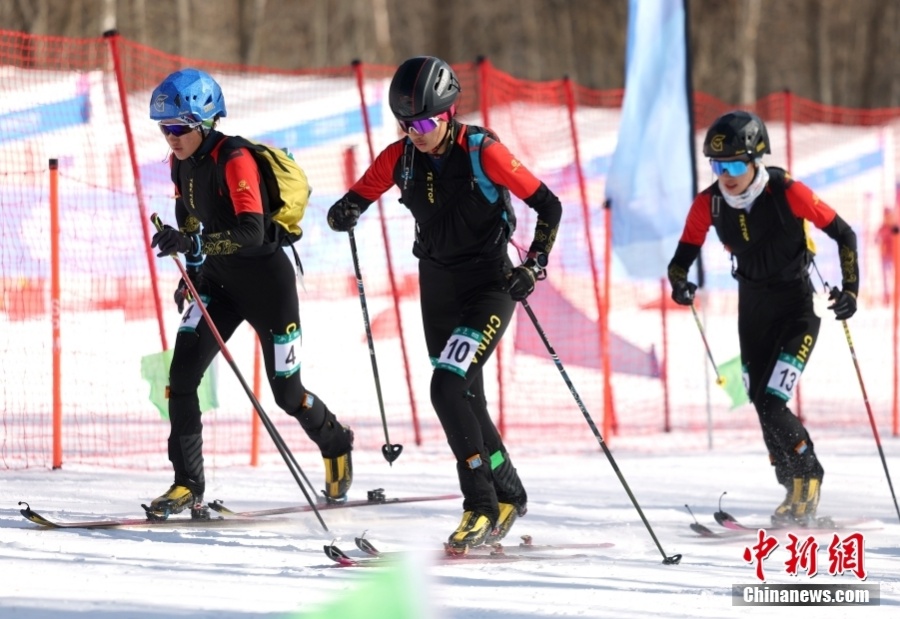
(831, 51)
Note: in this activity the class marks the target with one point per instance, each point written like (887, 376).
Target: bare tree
(185, 26)
(749, 30)
(253, 13)
(834, 51)
(567, 52)
(823, 53)
(383, 43)
(320, 33)
(108, 20)
(36, 14)
(140, 19)
(892, 24)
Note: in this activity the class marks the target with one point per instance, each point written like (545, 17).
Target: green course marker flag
(395, 591)
(734, 382)
(155, 370)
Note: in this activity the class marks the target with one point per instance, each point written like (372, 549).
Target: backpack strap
(221, 152)
(475, 142)
(475, 136)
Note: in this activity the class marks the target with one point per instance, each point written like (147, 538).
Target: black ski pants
(261, 290)
(778, 329)
(465, 312)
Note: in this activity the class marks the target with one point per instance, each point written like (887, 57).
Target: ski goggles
(177, 129)
(423, 126)
(734, 168)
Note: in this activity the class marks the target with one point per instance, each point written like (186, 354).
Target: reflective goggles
(426, 125)
(177, 129)
(734, 168)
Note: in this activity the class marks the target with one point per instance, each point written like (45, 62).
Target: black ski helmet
(736, 134)
(423, 87)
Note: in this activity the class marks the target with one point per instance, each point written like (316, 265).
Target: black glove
(683, 292)
(522, 278)
(183, 293)
(170, 241)
(343, 215)
(844, 305)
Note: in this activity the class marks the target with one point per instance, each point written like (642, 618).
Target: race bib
(785, 377)
(460, 350)
(287, 351)
(192, 315)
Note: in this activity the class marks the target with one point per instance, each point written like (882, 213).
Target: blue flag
(651, 178)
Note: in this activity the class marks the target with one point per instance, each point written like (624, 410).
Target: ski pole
(389, 451)
(720, 380)
(286, 454)
(667, 560)
(865, 396)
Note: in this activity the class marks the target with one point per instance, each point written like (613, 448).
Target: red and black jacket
(233, 220)
(456, 222)
(768, 243)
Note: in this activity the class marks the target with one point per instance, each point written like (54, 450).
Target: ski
(526, 545)
(497, 554)
(226, 516)
(111, 523)
(824, 523)
(733, 528)
(374, 497)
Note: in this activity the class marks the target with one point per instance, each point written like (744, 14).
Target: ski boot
(339, 474)
(511, 496)
(472, 531)
(803, 486)
(800, 503)
(508, 515)
(174, 501)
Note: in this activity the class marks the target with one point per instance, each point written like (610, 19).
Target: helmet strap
(446, 141)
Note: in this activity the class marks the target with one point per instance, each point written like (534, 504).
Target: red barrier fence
(78, 314)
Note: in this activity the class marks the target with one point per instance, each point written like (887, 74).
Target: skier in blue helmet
(233, 256)
(189, 95)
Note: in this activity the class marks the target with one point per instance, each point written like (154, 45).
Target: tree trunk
(824, 65)
(750, 18)
(321, 29)
(251, 32)
(893, 21)
(140, 19)
(108, 21)
(185, 25)
(36, 14)
(382, 21)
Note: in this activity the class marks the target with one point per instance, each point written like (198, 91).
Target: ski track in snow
(278, 569)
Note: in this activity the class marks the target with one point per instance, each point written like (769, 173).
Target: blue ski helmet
(189, 94)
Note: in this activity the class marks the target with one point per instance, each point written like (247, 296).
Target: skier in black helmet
(760, 215)
(455, 180)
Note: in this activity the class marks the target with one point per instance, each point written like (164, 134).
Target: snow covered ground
(277, 570)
